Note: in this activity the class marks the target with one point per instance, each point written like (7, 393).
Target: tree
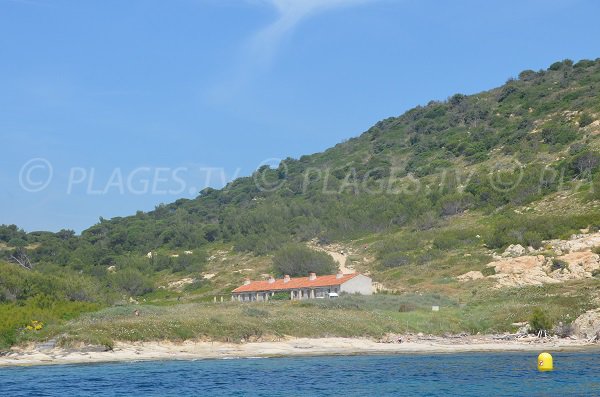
(586, 162)
(298, 260)
(132, 282)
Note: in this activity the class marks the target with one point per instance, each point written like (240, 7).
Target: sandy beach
(191, 350)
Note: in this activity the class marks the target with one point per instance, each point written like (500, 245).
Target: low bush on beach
(539, 321)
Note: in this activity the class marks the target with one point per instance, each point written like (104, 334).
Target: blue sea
(473, 374)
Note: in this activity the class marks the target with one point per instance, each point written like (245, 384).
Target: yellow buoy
(544, 362)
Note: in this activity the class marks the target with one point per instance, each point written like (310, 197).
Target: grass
(14, 320)
(487, 311)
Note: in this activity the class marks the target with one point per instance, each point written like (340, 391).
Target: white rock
(514, 251)
(470, 276)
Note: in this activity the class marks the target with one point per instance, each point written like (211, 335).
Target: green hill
(416, 200)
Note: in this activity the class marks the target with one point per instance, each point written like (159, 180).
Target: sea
(471, 374)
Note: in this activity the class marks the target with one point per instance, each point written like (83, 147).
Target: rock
(580, 265)
(180, 284)
(45, 346)
(537, 269)
(587, 325)
(111, 269)
(514, 251)
(521, 271)
(578, 242)
(470, 276)
(95, 349)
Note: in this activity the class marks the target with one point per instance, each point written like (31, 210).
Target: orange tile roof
(294, 283)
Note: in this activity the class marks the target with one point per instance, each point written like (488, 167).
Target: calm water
(485, 374)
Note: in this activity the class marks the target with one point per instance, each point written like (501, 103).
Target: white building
(304, 287)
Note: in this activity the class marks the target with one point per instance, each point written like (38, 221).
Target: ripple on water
(475, 374)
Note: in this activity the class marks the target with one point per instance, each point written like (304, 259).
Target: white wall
(360, 284)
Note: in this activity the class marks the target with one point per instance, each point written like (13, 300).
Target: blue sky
(112, 106)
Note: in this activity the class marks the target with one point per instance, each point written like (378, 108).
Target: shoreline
(292, 347)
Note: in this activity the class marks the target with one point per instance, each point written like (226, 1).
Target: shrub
(407, 307)
(586, 162)
(533, 239)
(395, 259)
(558, 264)
(298, 260)
(488, 271)
(558, 135)
(280, 296)
(132, 282)
(585, 119)
(527, 75)
(539, 321)
(563, 330)
(255, 312)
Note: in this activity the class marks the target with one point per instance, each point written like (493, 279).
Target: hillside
(415, 201)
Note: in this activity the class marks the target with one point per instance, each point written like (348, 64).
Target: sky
(108, 107)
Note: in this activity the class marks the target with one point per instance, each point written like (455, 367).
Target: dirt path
(338, 253)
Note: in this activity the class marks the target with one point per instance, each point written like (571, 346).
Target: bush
(533, 239)
(132, 282)
(559, 135)
(489, 271)
(407, 307)
(280, 296)
(563, 330)
(539, 321)
(395, 259)
(585, 120)
(585, 162)
(558, 264)
(298, 260)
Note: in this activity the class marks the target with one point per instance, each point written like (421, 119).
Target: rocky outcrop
(579, 265)
(587, 326)
(470, 276)
(518, 266)
(577, 242)
(521, 271)
(538, 269)
(514, 251)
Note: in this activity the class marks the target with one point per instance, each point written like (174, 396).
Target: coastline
(292, 347)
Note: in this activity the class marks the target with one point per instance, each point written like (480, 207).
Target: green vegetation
(420, 198)
(298, 260)
(558, 264)
(539, 321)
(49, 298)
(348, 316)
